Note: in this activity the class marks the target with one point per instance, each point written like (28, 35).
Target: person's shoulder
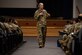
(37, 10)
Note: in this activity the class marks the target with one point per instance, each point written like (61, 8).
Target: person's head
(68, 22)
(76, 20)
(13, 20)
(2, 19)
(41, 5)
(10, 20)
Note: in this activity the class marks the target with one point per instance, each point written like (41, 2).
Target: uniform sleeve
(47, 14)
(36, 15)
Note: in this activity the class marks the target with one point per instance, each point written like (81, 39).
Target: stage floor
(28, 26)
(32, 31)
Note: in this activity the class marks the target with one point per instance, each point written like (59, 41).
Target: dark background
(57, 8)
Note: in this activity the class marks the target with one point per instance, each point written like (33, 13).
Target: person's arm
(47, 14)
(36, 15)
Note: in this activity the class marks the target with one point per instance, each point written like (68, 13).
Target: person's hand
(41, 14)
(48, 14)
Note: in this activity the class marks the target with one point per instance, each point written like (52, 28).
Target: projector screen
(18, 3)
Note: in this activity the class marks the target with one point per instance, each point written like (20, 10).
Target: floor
(31, 47)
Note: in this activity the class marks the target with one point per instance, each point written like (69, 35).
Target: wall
(79, 4)
(18, 3)
(28, 12)
(75, 12)
(57, 8)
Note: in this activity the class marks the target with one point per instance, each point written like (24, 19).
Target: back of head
(2, 19)
(9, 19)
(76, 20)
(69, 22)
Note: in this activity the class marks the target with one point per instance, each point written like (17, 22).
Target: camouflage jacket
(41, 20)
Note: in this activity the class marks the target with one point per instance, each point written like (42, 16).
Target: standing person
(41, 15)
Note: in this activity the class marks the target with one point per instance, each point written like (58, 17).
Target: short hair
(2, 19)
(10, 19)
(40, 4)
(76, 20)
(69, 22)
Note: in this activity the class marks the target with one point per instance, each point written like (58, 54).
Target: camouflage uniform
(67, 30)
(68, 41)
(8, 27)
(65, 39)
(17, 31)
(77, 27)
(41, 26)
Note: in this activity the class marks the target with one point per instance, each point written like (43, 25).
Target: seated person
(65, 31)
(67, 40)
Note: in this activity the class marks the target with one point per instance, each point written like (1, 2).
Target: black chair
(9, 40)
(3, 42)
(77, 44)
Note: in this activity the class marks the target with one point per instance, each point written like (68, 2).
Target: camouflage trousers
(42, 36)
